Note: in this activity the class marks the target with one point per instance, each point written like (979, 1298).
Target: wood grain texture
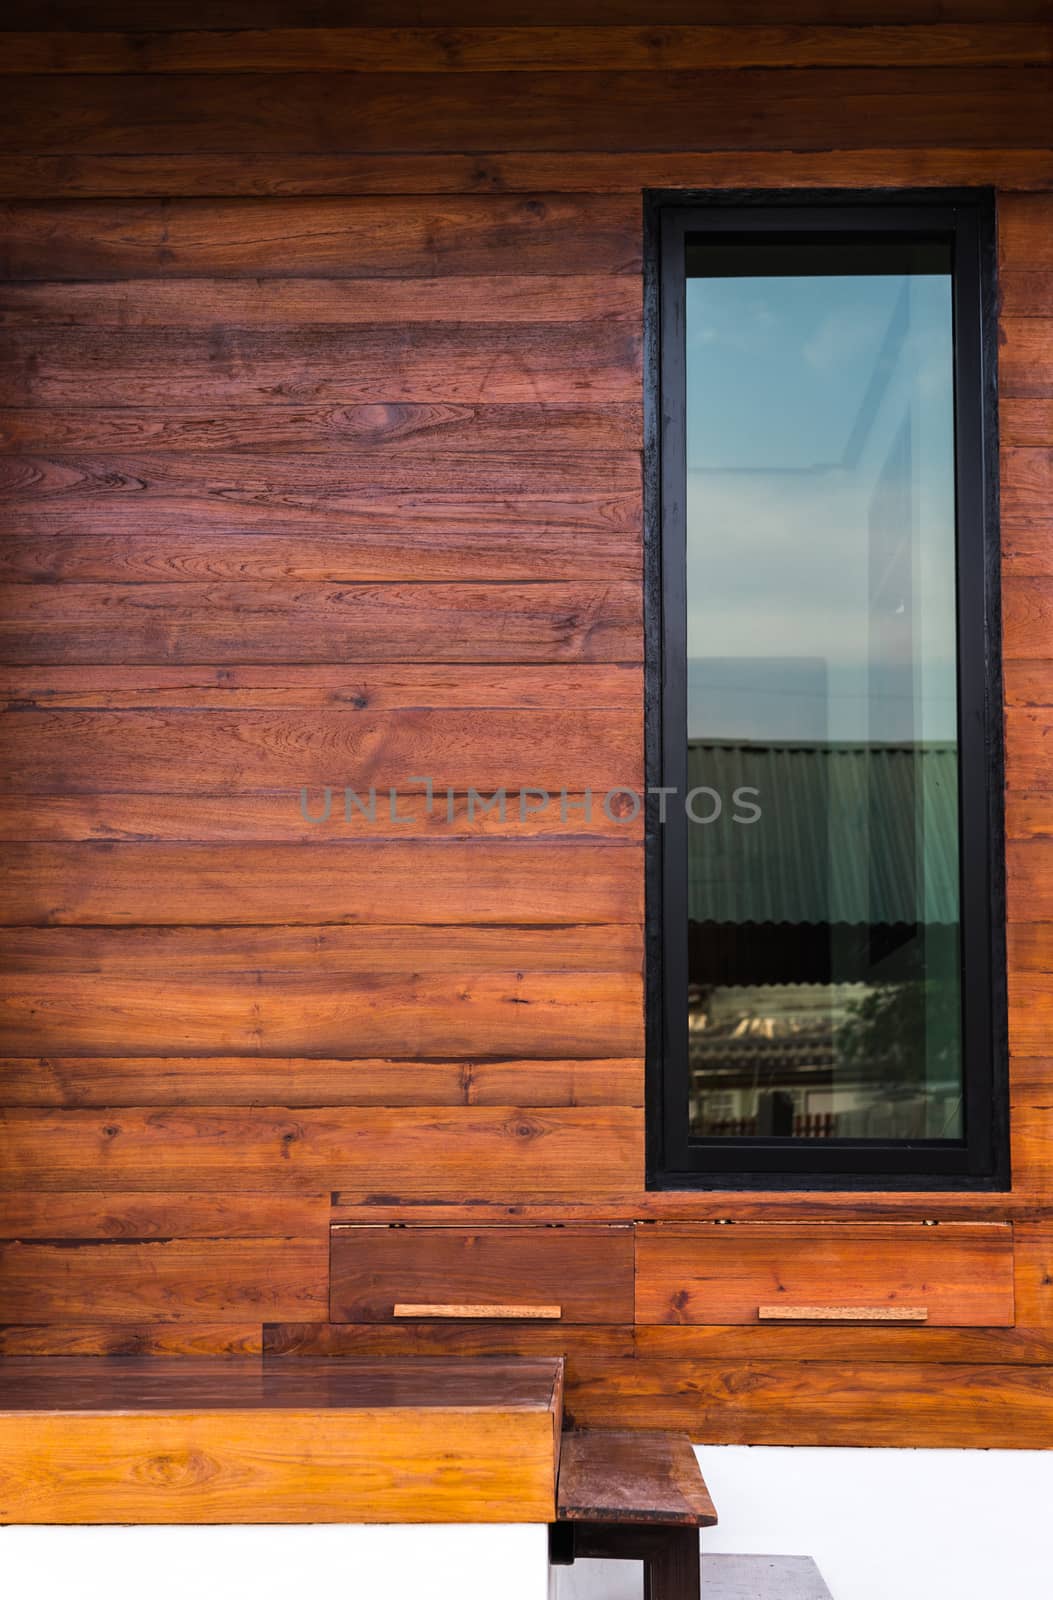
(503, 49)
(405, 426)
(64, 751)
(951, 1405)
(480, 882)
(197, 1442)
(165, 16)
(266, 623)
(348, 237)
(722, 109)
(585, 1273)
(163, 1280)
(154, 1340)
(959, 1275)
(638, 1478)
(413, 1152)
(162, 1214)
(85, 1081)
(379, 365)
(210, 175)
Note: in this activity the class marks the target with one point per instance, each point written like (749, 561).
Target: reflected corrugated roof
(847, 833)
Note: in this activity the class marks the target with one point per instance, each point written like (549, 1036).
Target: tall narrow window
(825, 956)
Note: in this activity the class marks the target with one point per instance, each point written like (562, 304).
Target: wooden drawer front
(576, 1274)
(951, 1275)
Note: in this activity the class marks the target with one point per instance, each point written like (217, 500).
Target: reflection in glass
(823, 886)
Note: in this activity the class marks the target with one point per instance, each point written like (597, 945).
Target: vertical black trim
(674, 1159)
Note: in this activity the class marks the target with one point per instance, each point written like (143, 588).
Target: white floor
(353, 1563)
(880, 1524)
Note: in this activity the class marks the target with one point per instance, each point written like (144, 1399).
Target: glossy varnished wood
(194, 1441)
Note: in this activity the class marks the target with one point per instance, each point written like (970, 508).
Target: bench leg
(671, 1566)
(670, 1555)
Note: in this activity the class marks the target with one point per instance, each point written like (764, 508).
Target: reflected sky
(820, 456)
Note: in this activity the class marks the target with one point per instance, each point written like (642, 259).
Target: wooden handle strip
(550, 1313)
(843, 1313)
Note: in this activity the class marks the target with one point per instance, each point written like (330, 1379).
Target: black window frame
(675, 1160)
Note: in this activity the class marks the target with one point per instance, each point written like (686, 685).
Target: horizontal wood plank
(112, 1081)
(403, 426)
(504, 49)
(237, 817)
(155, 1339)
(347, 237)
(486, 882)
(334, 302)
(167, 1280)
(215, 752)
(416, 1152)
(210, 174)
(278, 1013)
(341, 684)
(590, 362)
(163, 1215)
(791, 108)
(821, 1403)
(267, 623)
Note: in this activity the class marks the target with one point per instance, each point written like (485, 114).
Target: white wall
(360, 1563)
(881, 1524)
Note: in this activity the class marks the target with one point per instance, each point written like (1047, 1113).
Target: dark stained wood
(148, 16)
(163, 1280)
(639, 1477)
(207, 174)
(792, 108)
(331, 239)
(958, 1275)
(587, 1273)
(474, 1338)
(500, 49)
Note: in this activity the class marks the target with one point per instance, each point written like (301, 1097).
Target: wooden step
(212, 1441)
(633, 1497)
(638, 1478)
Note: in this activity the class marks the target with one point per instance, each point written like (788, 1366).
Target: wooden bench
(633, 1497)
(205, 1441)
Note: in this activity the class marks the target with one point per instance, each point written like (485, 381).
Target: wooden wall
(321, 397)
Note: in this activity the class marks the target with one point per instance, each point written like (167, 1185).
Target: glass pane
(823, 868)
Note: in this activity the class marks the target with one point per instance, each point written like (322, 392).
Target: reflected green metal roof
(847, 833)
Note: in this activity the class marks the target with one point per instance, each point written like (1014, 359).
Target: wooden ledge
(638, 1479)
(211, 1441)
